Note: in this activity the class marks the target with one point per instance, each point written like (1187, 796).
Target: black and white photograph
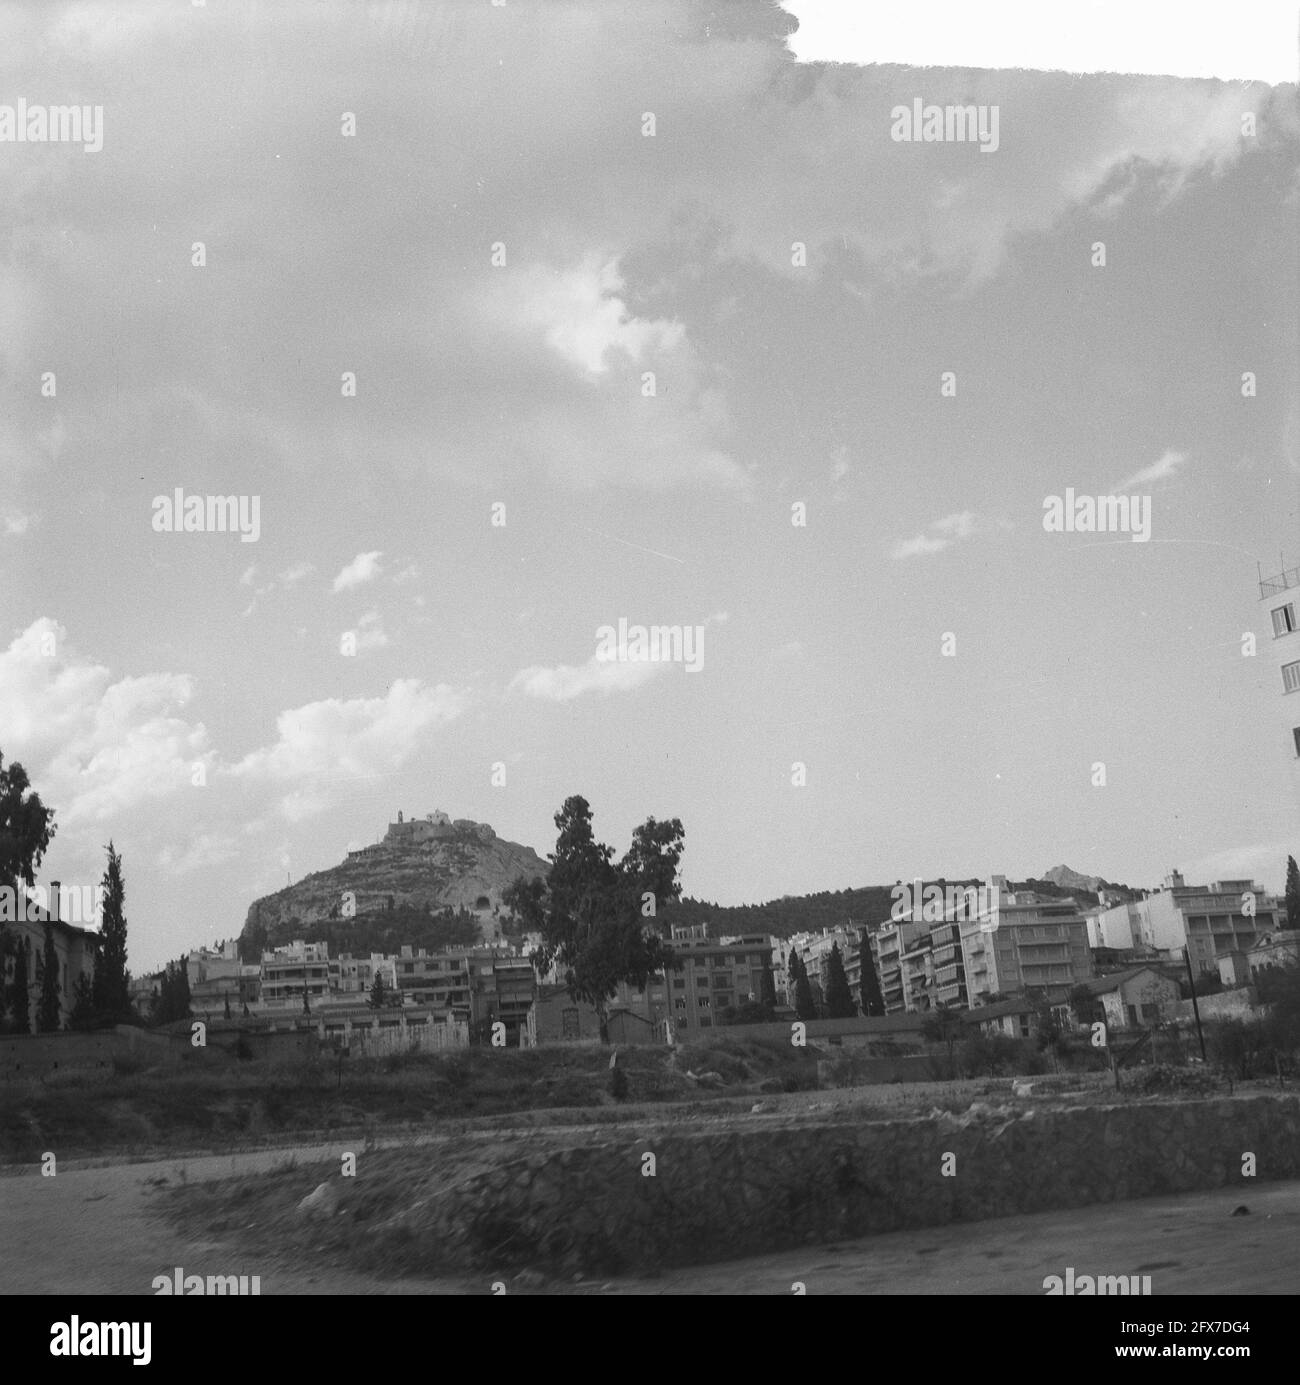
(648, 648)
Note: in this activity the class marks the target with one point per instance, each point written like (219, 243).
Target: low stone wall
(26, 1056)
(720, 1196)
(1238, 1004)
(864, 1070)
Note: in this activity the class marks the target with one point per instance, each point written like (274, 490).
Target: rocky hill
(422, 869)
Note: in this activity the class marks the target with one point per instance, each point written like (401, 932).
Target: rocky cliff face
(429, 862)
(1069, 879)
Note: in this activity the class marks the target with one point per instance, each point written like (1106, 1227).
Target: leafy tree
(943, 1026)
(22, 1022)
(618, 1087)
(873, 1000)
(26, 827)
(82, 1017)
(804, 1006)
(1086, 1006)
(173, 999)
(111, 980)
(1292, 893)
(376, 1001)
(839, 999)
(767, 987)
(47, 974)
(989, 1053)
(747, 1012)
(591, 911)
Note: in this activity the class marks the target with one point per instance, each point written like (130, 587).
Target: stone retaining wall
(720, 1196)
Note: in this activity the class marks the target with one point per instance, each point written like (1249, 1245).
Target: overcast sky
(523, 385)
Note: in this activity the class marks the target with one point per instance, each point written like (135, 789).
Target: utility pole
(1196, 1009)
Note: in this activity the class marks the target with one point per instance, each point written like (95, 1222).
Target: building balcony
(1284, 581)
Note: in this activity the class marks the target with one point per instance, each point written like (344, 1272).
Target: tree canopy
(591, 910)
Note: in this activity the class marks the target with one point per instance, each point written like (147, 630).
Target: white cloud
(947, 531)
(579, 315)
(296, 573)
(567, 681)
(94, 746)
(362, 568)
(1168, 465)
(325, 749)
(15, 522)
(370, 632)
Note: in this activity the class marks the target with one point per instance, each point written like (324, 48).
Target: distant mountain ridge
(435, 882)
(864, 906)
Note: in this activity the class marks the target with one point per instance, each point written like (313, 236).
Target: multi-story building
(437, 979)
(295, 969)
(947, 968)
(710, 976)
(1024, 944)
(1281, 598)
(502, 987)
(1273, 950)
(889, 942)
(74, 947)
(1210, 921)
(219, 980)
(356, 975)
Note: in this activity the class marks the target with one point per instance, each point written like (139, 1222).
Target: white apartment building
(1280, 596)
(1211, 921)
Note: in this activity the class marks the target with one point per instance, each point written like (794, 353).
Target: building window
(679, 982)
(1284, 620)
(703, 1002)
(1291, 677)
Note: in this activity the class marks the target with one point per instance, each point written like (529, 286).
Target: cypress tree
(47, 971)
(767, 986)
(1292, 893)
(110, 986)
(873, 1001)
(22, 1023)
(839, 999)
(82, 1017)
(803, 997)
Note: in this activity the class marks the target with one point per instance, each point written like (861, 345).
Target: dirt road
(95, 1230)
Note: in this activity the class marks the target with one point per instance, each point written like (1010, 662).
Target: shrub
(1243, 1047)
(1162, 1077)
